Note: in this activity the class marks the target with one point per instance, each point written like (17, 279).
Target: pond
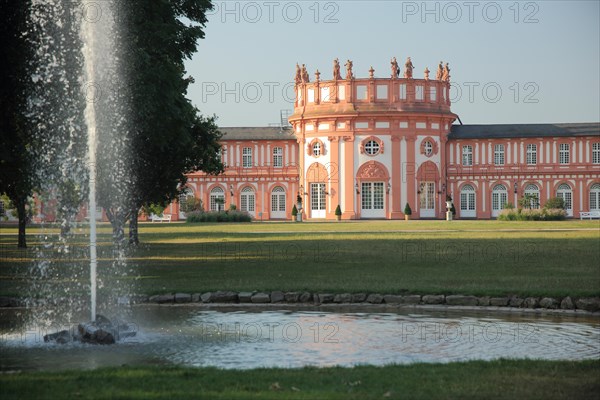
(191, 336)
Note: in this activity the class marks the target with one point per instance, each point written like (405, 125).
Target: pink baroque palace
(371, 145)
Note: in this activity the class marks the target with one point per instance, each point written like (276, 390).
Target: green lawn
(470, 257)
(504, 379)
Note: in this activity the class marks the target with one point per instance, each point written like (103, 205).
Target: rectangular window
(247, 157)
(378, 195)
(419, 92)
(382, 91)
(325, 96)
(403, 91)
(427, 196)
(531, 154)
(467, 156)
(278, 157)
(564, 156)
(366, 196)
(311, 95)
(467, 201)
(341, 92)
(433, 94)
(361, 92)
(499, 154)
(317, 196)
(596, 153)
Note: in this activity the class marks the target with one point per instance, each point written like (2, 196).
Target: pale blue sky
(549, 50)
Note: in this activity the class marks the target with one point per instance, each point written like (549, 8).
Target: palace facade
(372, 145)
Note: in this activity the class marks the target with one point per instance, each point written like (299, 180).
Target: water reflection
(192, 337)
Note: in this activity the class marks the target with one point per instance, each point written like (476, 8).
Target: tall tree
(16, 171)
(168, 137)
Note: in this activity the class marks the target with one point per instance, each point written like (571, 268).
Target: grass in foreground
(503, 379)
(470, 257)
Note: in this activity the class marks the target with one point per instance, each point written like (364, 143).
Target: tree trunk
(22, 214)
(117, 220)
(133, 228)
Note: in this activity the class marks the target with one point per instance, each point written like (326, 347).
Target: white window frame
(372, 147)
(468, 202)
(595, 197)
(565, 192)
(248, 200)
(217, 192)
(499, 158)
(427, 199)
(428, 148)
(564, 153)
(596, 153)
(278, 157)
(531, 158)
(499, 199)
(278, 199)
(247, 157)
(533, 189)
(316, 149)
(467, 155)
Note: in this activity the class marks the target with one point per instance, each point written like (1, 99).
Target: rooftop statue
(349, 74)
(298, 77)
(305, 77)
(408, 69)
(395, 68)
(336, 69)
(440, 72)
(446, 73)
(371, 72)
(317, 76)
(426, 72)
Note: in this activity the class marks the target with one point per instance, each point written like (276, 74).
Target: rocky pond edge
(589, 304)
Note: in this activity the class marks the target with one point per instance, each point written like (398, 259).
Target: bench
(163, 218)
(589, 214)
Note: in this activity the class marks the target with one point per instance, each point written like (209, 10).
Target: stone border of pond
(589, 304)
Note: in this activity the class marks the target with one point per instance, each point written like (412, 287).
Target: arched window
(316, 149)
(595, 197)
(564, 192)
(247, 200)
(278, 202)
(533, 192)
(467, 201)
(499, 199)
(217, 199)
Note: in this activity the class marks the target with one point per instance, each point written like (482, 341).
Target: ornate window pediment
(372, 170)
